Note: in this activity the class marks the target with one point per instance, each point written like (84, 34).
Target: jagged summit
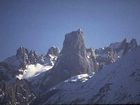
(52, 55)
(73, 54)
(74, 43)
(22, 55)
(53, 51)
(72, 59)
(67, 70)
(118, 83)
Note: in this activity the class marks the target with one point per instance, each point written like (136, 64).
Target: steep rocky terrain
(15, 84)
(64, 76)
(117, 83)
(71, 61)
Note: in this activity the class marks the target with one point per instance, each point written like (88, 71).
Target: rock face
(12, 90)
(92, 58)
(22, 55)
(73, 57)
(51, 56)
(71, 61)
(33, 57)
(15, 92)
(26, 57)
(133, 44)
(53, 51)
(118, 83)
(113, 52)
(74, 60)
(7, 72)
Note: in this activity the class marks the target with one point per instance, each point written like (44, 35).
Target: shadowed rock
(53, 51)
(51, 56)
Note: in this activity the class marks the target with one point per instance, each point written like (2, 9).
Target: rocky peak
(133, 43)
(73, 57)
(124, 44)
(26, 57)
(71, 61)
(53, 51)
(22, 55)
(74, 43)
(21, 51)
(51, 56)
(33, 57)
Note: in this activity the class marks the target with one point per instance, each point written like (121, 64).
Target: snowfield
(33, 71)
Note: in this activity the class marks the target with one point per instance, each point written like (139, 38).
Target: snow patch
(32, 71)
(81, 78)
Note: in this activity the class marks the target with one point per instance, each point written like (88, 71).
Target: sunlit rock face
(71, 61)
(73, 57)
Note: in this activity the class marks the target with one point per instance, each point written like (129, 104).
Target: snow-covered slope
(33, 71)
(118, 82)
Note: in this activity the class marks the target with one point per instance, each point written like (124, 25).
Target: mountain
(117, 83)
(71, 61)
(61, 76)
(16, 72)
(51, 56)
(64, 67)
(111, 53)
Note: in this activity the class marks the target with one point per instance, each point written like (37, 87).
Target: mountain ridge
(41, 76)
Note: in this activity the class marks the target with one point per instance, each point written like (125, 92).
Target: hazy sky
(40, 24)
